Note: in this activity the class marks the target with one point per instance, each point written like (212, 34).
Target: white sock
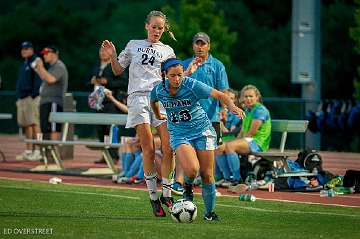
(150, 180)
(166, 191)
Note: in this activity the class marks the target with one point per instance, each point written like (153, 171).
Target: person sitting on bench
(255, 132)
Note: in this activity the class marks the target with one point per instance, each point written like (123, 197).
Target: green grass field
(94, 212)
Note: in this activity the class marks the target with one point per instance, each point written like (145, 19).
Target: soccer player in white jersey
(192, 136)
(144, 58)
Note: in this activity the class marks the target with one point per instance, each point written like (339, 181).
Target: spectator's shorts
(28, 111)
(206, 141)
(140, 111)
(45, 110)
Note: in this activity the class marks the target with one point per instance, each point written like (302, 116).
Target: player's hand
(161, 117)
(194, 64)
(109, 48)
(237, 111)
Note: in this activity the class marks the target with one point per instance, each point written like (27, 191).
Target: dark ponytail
(163, 73)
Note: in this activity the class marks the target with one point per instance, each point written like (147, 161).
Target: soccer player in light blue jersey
(192, 136)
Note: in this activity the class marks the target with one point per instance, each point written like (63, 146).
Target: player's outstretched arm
(109, 47)
(225, 100)
(194, 64)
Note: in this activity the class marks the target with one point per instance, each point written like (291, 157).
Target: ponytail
(163, 81)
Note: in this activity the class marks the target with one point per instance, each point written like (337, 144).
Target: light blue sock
(123, 156)
(140, 173)
(221, 161)
(218, 174)
(209, 197)
(127, 159)
(135, 166)
(234, 164)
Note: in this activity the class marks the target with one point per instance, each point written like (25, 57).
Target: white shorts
(140, 111)
(253, 146)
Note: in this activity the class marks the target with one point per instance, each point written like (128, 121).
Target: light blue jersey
(186, 119)
(212, 73)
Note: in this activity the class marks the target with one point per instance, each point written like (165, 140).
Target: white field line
(286, 211)
(342, 196)
(118, 186)
(64, 191)
(144, 189)
(300, 202)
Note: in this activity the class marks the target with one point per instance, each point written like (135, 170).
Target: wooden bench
(67, 118)
(280, 156)
(4, 116)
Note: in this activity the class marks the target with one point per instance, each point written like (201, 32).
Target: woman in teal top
(192, 136)
(255, 131)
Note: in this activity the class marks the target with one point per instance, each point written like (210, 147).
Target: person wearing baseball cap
(54, 86)
(27, 104)
(210, 71)
(49, 49)
(201, 36)
(27, 44)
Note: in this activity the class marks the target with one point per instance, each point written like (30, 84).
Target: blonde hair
(251, 87)
(163, 16)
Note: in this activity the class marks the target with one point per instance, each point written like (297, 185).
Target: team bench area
(49, 147)
(279, 157)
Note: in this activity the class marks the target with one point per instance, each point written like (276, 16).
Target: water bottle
(247, 197)
(343, 190)
(334, 182)
(253, 185)
(115, 135)
(327, 193)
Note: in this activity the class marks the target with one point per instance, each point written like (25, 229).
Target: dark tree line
(252, 37)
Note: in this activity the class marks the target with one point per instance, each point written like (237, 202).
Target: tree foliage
(355, 34)
(192, 16)
(252, 37)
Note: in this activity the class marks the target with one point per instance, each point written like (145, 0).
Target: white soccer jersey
(145, 60)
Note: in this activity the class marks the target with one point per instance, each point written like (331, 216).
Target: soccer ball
(183, 211)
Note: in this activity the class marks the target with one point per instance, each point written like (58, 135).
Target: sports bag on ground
(310, 159)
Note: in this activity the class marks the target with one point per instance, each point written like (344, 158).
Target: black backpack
(310, 159)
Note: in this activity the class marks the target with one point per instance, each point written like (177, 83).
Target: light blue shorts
(205, 141)
(253, 146)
